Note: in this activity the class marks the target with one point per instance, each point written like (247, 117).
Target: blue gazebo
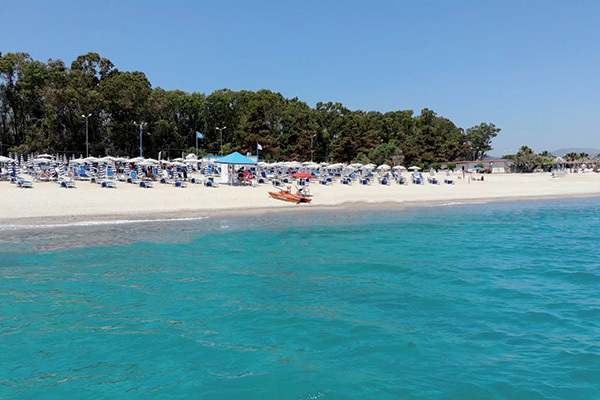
(232, 159)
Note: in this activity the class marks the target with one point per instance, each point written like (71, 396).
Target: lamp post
(221, 132)
(87, 144)
(141, 126)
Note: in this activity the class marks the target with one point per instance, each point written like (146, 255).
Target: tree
(526, 160)
(479, 139)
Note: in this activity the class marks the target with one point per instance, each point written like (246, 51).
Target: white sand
(47, 202)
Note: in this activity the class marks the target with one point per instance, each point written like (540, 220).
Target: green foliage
(526, 160)
(478, 140)
(436, 166)
(451, 166)
(41, 108)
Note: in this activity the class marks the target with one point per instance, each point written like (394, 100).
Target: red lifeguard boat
(301, 195)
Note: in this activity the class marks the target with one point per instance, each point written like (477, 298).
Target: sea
(451, 301)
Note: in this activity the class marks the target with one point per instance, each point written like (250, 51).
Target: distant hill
(561, 152)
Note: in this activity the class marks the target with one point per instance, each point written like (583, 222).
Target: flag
(258, 146)
(199, 135)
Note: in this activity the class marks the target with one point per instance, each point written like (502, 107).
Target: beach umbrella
(91, 160)
(263, 164)
(399, 167)
(302, 175)
(414, 168)
(4, 159)
(383, 167)
(292, 164)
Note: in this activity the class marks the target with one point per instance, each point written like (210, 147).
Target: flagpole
(196, 144)
(257, 151)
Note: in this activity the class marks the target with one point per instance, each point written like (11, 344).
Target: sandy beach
(47, 202)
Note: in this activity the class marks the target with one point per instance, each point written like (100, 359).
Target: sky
(529, 67)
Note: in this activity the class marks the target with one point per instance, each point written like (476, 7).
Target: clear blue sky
(530, 67)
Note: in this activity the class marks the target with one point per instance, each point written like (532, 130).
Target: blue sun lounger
(23, 183)
(66, 183)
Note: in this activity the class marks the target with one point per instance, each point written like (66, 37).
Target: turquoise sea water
(482, 301)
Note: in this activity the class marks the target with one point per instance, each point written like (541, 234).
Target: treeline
(42, 109)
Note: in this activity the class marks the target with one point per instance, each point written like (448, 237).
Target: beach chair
(65, 183)
(384, 181)
(23, 183)
(210, 182)
(109, 184)
(365, 181)
(433, 180)
(180, 184)
(133, 178)
(82, 174)
(146, 184)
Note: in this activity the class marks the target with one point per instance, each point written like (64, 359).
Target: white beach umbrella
(262, 164)
(357, 165)
(414, 168)
(45, 156)
(383, 167)
(312, 165)
(77, 161)
(92, 160)
(42, 160)
(5, 159)
(179, 159)
(106, 160)
(135, 160)
(399, 167)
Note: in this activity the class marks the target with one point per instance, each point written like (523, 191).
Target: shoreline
(187, 214)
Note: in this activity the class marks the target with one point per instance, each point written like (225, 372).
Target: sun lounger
(449, 181)
(109, 184)
(180, 184)
(23, 183)
(146, 184)
(65, 183)
(82, 174)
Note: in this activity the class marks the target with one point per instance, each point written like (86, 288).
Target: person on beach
(241, 176)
